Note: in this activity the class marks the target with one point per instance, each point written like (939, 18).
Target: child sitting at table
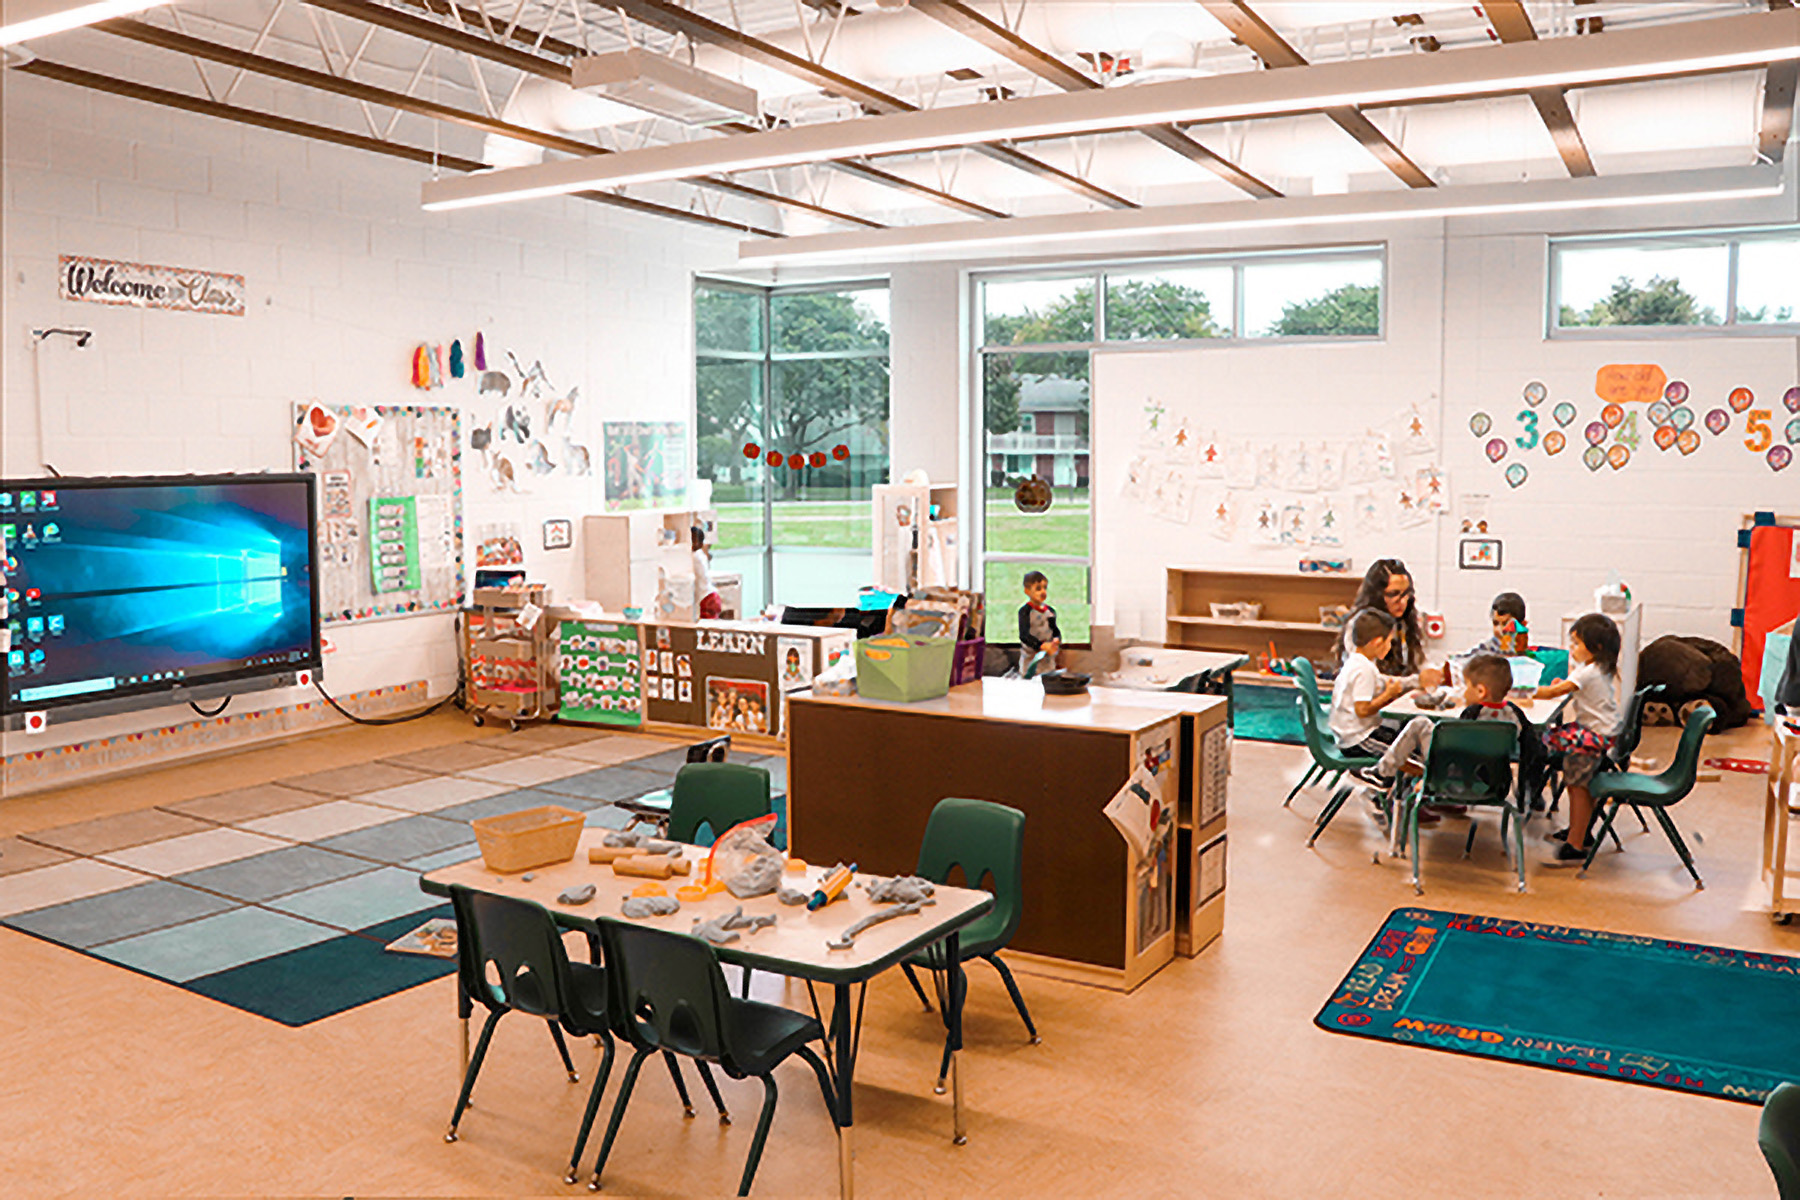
(1508, 615)
(1362, 691)
(1487, 678)
(1593, 719)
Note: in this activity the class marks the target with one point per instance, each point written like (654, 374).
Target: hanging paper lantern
(752, 450)
(816, 458)
(840, 452)
(774, 458)
(796, 461)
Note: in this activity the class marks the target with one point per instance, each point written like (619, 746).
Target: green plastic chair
(1658, 793)
(670, 997)
(1327, 760)
(1216, 682)
(1470, 763)
(988, 841)
(1308, 683)
(716, 795)
(1778, 1135)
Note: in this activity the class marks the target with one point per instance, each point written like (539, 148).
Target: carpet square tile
(360, 900)
(357, 780)
(665, 763)
(774, 764)
(537, 738)
(443, 858)
(507, 802)
(265, 876)
(609, 816)
(322, 820)
(17, 854)
(245, 804)
(216, 943)
(192, 851)
(397, 841)
(61, 883)
(106, 834)
(440, 791)
(610, 783)
(612, 748)
(459, 756)
(125, 913)
(526, 771)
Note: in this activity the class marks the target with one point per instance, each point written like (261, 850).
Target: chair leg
(763, 1121)
(712, 1089)
(618, 1115)
(913, 978)
(1012, 989)
(1642, 824)
(1329, 811)
(1518, 831)
(593, 1107)
(1687, 860)
(746, 992)
(468, 1087)
(562, 1048)
(1469, 842)
(825, 1088)
(1412, 822)
(1593, 843)
(687, 1106)
(1311, 771)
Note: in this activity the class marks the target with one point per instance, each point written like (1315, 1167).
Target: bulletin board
(390, 500)
(1770, 592)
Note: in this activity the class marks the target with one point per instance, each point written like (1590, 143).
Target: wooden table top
(794, 945)
(1538, 712)
(1024, 701)
(1163, 667)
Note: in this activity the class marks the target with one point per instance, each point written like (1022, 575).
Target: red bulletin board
(1771, 595)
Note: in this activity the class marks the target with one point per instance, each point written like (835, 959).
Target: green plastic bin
(903, 668)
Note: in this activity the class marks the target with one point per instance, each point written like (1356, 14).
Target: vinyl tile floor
(1209, 1080)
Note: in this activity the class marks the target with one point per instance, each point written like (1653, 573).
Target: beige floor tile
(117, 832)
(616, 748)
(545, 737)
(191, 852)
(355, 781)
(523, 772)
(18, 855)
(73, 880)
(322, 820)
(447, 760)
(245, 804)
(440, 791)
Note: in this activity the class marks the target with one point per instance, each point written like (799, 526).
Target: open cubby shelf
(1290, 610)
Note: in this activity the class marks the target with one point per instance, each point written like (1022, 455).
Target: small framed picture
(1479, 554)
(559, 534)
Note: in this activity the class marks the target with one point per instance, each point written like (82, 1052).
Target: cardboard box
(903, 668)
(966, 666)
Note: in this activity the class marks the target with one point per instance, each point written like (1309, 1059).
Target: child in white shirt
(1593, 721)
(1362, 691)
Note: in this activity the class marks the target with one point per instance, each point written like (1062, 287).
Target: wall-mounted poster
(738, 705)
(646, 463)
(597, 673)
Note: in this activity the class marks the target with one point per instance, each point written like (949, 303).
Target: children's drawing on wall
(1265, 528)
(1240, 464)
(1182, 442)
(1295, 468)
(1382, 448)
(1366, 515)
(1137, 479)
(1327, 523)
(1293, 524)
(1359, 462)
(1172, 498)
(1409, 509)
(1223, 521)
(1152, 434)
(646, 462)
(1417, 438)
(1209, 457)
(1432, 487)
(1330, 460)
(1268, 465)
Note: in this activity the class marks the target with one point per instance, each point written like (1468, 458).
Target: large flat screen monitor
(131, 588)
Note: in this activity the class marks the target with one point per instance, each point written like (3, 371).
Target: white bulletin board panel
(412, 461)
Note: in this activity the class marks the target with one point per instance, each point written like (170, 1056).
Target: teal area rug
(1265, 712)
(1692, 1018)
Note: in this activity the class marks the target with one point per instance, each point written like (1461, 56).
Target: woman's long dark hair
(1401, 659)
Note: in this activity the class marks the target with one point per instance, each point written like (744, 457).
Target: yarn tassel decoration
(421, 368)
(480, 352)
(456, 359)
(437, 366)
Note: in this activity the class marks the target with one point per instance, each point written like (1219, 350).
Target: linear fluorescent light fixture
(1682, 48)
(658, 84)
(969, 238)
(27, 19)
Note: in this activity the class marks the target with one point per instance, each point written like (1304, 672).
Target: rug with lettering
(1702, 1019)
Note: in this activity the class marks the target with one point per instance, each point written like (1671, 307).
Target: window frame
(1732, 239)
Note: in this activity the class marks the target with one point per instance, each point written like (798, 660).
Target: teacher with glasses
(1388, 586)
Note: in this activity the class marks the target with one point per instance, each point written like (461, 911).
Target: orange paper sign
(1630, 383)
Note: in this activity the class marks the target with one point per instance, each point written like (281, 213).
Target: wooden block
(651, 866)
(1706, 777)
(606, 854)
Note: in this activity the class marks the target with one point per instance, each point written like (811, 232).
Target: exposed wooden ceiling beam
(979, 28)
(444, 35)
(339, 137)
(1513, 24)
(181, 43)
(1778, 104)
(673, 18)
(1262, 40)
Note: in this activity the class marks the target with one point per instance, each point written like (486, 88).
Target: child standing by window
(1038, 631)
(1593, 721)
(708, 603)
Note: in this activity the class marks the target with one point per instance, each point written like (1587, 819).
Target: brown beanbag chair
(1696, 669)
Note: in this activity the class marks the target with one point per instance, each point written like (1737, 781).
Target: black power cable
(414, 716)
(223, 705)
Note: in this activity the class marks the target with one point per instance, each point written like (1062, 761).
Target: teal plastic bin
(903, 668)
(1556, 663)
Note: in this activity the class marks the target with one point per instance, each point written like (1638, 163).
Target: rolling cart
(511, 669)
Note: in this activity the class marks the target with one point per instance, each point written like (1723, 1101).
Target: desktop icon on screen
(34, 628)
(47, 499)
(27, 500)
(15, 660)
(6, 499)
(54, 623)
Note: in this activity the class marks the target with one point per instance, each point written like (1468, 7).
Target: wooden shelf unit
(1290, 610)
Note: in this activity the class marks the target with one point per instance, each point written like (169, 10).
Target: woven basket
(536, 837)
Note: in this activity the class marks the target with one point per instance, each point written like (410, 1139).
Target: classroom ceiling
(468, 85)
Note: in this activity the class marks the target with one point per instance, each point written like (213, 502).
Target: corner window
(1714, 281)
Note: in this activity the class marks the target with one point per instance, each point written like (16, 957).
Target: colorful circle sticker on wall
(1718, 420)
(1681, 417)
(1740, 399)
(1618, 456)
(1689, 441)
(1612, 414)
(1480, 423)
(1564, 413)
(1553, 442)
(1535, 393)
(1665, 436)
(1594, 457)
(1779, 458)
(1676, 392)
(1658, 412)
(1596, 432)
(1793, 432)
(1516, 474)
(1496, 449)
(1791, 398)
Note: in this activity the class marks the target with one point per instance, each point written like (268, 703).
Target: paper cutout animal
(517, 422)
(493, 381)
(563, 406)
(576, 459)
(531, 383)
(540, 459)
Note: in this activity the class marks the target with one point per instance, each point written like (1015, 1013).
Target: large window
(802, 371)
(1035, 336)
(1718, 281)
